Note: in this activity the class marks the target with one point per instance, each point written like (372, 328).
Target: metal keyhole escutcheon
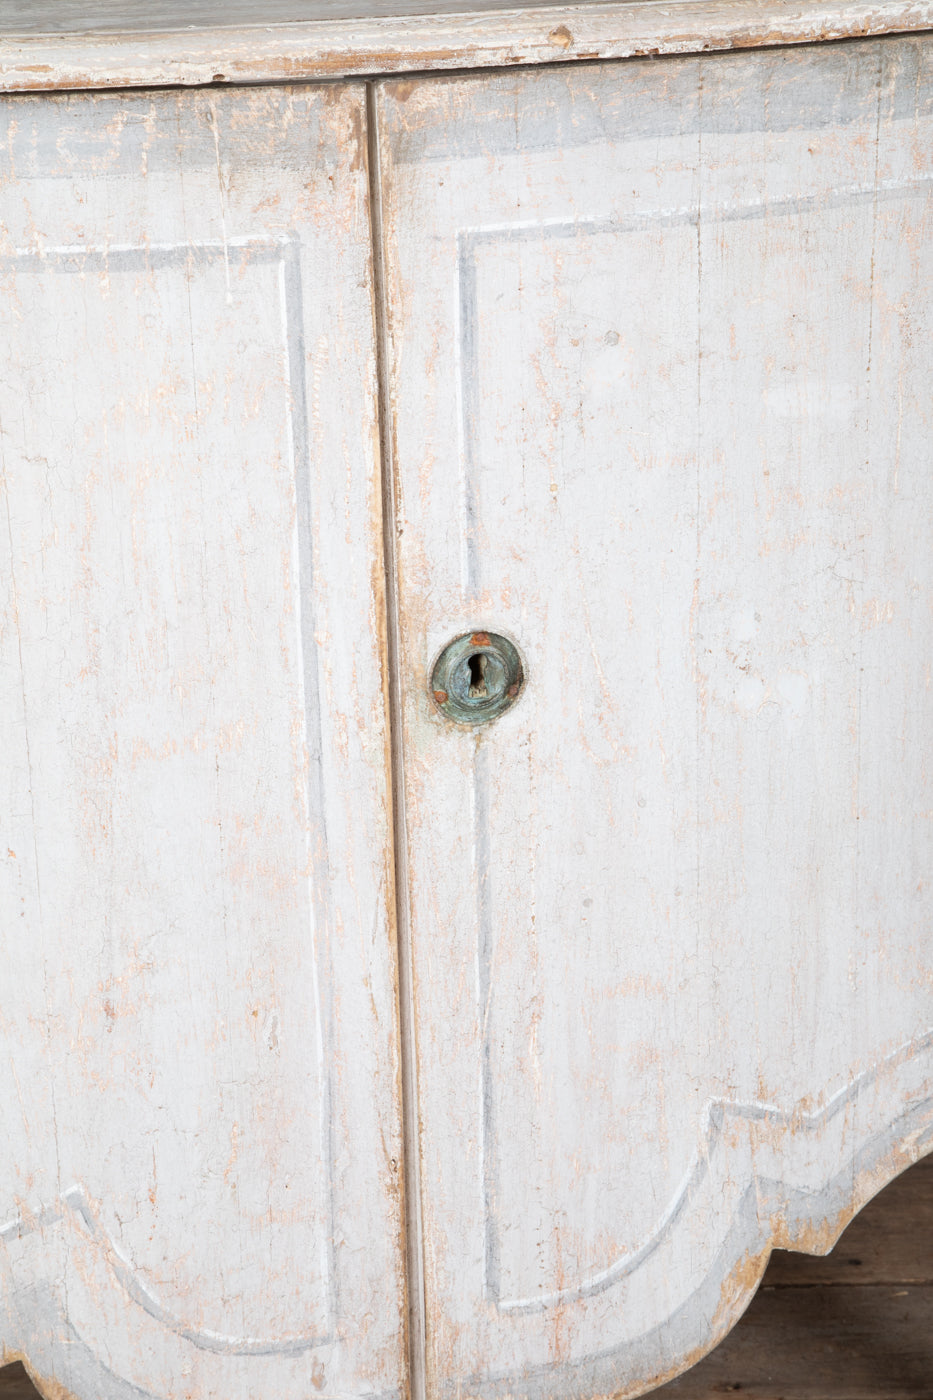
(476, 677)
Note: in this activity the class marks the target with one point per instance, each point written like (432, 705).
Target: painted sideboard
(466, 635)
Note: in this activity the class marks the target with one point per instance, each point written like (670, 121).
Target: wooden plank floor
(855, 1325)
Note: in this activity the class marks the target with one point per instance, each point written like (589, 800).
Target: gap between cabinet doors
(412, 1209)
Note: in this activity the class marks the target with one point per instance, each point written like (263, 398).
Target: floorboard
(856, 1324)
(15, 1384)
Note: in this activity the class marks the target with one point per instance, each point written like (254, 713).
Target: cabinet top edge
(113, 51)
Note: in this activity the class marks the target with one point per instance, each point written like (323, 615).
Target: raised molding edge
(392, 44)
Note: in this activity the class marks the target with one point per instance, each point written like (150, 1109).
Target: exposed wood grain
(670, 947)
(200, 1156)
(372, 38)
(661, 416)
(889, 1242)
(810, 1346)
(15, 1383)
(822, 1343)
(854, 1325)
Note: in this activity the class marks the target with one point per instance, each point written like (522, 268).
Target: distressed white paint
(58, 44)
(659, 352)
(199, 1189)
(657, 407)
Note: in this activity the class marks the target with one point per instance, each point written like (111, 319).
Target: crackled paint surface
(200, 1143)
(659, 335)
(655, 368)
(46, 44)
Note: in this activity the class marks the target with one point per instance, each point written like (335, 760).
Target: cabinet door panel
(659, 343)
(201, 1145)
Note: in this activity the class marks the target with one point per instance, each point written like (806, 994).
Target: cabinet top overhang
(69, 44)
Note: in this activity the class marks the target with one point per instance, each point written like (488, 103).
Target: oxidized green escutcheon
(477, 677)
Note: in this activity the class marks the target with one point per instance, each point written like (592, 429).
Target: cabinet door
(200, 1143)
(659, 340)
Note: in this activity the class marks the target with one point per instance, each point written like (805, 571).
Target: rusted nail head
(441, 697)
(480, 639)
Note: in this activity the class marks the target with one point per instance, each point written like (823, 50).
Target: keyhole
(477, 665)
(476, 677)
